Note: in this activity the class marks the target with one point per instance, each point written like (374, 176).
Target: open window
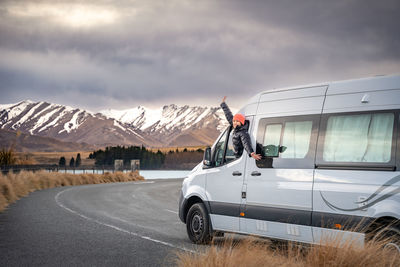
(223, 151)
(287, 142)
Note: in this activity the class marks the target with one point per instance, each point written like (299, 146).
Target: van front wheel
(197, 224)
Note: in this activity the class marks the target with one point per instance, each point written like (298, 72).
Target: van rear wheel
(197, 224)
(390, 238)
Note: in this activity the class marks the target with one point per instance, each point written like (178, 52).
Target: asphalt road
(120, 224)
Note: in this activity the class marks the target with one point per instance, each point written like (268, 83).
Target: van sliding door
(279, 186)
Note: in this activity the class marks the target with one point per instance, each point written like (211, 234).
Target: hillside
(170, 125)
(30, 143)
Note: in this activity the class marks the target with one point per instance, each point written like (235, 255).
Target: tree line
(72, 162)
(148, 158)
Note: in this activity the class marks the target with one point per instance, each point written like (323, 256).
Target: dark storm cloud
(194, 52)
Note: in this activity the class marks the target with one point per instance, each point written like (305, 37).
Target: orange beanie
(239, 117)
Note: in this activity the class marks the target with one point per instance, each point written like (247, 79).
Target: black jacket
(240, 135)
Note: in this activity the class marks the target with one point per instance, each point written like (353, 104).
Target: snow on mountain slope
(166, 118)
(170, 125)
(140, 117)
(67, 124)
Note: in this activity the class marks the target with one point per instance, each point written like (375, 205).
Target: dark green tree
(72, 162)
(78, 160)
(62, 162)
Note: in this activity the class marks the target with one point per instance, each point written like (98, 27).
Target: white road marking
(171, 211)
(115, 227)
(133, 196)
(149, 182)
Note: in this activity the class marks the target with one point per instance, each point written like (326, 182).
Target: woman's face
(236, 123)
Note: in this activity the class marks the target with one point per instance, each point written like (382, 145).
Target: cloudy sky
(121, 54)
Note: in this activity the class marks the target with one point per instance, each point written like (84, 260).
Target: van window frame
(226, 132)
(214, 151)
(378, 166)
(229, 131)
(308, 162)
(397, 156)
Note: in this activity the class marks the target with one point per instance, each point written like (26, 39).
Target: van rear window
(359, 138)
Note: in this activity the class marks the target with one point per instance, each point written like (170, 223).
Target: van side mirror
(282, 149)
(207, 157)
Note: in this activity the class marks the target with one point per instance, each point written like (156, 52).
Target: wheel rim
(392, 246)
(391, 239)
(197, 224)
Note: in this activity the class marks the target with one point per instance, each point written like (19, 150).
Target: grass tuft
(13, 186)
(260, 252)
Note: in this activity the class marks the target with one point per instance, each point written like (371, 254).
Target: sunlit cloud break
(71, 15)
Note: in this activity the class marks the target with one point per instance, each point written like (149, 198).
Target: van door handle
(236, 173)
(256, 173)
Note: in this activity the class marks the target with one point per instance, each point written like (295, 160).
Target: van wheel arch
(190, 202)
(382, 222)
(383, 228)
(193, 200)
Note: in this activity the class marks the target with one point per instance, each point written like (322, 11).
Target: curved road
(120, 224)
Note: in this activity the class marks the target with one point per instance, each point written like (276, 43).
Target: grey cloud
(179, 51)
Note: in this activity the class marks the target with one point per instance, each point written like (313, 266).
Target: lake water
(147, 174)
(163, 174)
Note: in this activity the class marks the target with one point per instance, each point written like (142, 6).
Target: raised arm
(227, 111)
(245, 138)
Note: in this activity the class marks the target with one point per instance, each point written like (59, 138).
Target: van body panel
(291, 232)
(249, 110)
(279, 196)
(347, 192)
(295, 93)
(291, 107)
(364, 85)
(223, 193)
(362, 101)
(337, 237)
(293, 102)
(388, 208)
(225, 223)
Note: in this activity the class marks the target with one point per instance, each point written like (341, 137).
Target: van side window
(230, 152)
(224, 152)
(358, 138)
(287, 142)
(272, 140)
(220, 149)
(296, 139)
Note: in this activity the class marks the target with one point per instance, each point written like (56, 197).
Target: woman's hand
(223, 100)
(255, 156)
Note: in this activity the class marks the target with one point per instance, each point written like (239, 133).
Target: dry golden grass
(54, 157)
(25, 159)
(14, 186)
(252, 252)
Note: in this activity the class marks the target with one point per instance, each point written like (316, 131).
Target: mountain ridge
(169, 125)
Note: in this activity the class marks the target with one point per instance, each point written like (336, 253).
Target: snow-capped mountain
(167, 126)
(166, 118)
(67, 124)
(173, 125)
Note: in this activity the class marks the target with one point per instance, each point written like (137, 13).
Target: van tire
(390, 236)
(197, 224)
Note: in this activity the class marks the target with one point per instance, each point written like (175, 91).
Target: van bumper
(182, 205)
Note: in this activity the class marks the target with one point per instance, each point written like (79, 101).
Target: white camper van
(330, 161)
